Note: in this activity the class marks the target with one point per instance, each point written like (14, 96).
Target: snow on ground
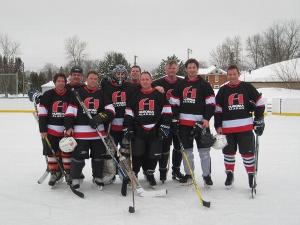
(23, 201)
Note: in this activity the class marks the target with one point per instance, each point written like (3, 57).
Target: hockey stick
(46, 173)
(253, 189)
(76, 192)
(140, 190)
(196, 186)
(131, 208)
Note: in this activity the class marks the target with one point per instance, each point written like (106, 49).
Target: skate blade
(229, 187)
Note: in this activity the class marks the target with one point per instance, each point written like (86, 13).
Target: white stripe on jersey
(191, 117)
(71, 110)
(42, 110)
(111, 108)
(56, 128)
(210, 100)
(129, 112)
(237, 122)
(118, 121)
(87, 128)
(174, 101)
(166, 109)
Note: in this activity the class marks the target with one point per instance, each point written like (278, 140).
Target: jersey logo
(189, 95)
(146, 107)
(92, 104)
(119, 99)
(59, 108)
(236, 102)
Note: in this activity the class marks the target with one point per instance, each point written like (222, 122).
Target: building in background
(214, 75)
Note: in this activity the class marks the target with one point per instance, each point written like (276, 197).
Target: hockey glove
(98, 119)
(163, 131)
(197, 129)
(259, 126)
(128, 134)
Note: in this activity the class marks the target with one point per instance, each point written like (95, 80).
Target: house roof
(211, 70)
(271, 72)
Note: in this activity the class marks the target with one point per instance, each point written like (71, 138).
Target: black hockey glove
(197, 129)
(128, 134)
(98, 119)
(174, 126)
(163, 131)
(259, 126)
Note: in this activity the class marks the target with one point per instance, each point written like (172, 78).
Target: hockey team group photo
(186, 115)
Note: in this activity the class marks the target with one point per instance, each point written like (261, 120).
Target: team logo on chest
(119, 99)
(92, 104)
(236, 102)
(146, 107)
(59, 108)
(189, 95)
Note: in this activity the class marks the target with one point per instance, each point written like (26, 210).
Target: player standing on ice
(169, 83)
(194, 103)
(83, 130)
(51, 111)
(235, 103)
(147, 121)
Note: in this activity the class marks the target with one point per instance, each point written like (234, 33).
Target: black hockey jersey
(167, 85)
(147, 110)
(51, 112)
(69, 86)
(234, 107)
(119, 95)
(192, 101)
(75, 117)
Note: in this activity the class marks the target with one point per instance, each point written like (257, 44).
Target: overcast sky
(151, 29)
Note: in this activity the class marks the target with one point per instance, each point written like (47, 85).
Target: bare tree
(279, 42)
(229, 52)
(9, 48)
(289, 73)
(255, 49)
(75, 50)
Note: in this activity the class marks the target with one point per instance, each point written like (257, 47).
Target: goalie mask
(67, 144)
(220, 142)
(119, 74)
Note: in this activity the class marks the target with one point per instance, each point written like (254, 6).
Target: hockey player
(51, 111)
(169, 83)
(235, 103)
(194, 103)
(75, 78)
(119, 92)
(147, 121)
(135, 74)
(83, 130)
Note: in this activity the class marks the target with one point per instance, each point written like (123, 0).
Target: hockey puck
(131, 209)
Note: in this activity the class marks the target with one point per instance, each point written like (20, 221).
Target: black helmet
(207, 139)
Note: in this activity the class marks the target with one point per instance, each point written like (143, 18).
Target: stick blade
(206, 204)
(78, 193)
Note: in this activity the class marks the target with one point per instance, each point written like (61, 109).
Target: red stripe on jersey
(55, 133)
(229, 130)
(189, 123)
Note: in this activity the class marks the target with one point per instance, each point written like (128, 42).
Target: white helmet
(67, 144)
(220, 142)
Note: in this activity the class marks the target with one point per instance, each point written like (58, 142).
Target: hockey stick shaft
(131, 167)
(196, 186)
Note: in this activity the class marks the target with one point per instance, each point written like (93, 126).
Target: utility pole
(189, 51)
(135, 56)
